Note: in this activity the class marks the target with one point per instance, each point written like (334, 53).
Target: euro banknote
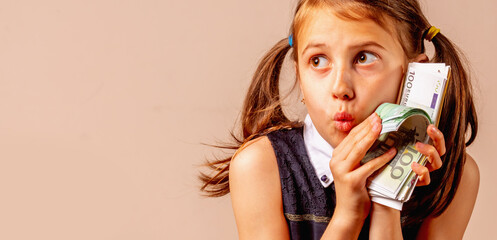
(420, 103)
(424, 87)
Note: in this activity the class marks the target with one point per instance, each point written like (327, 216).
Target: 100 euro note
(423, 88)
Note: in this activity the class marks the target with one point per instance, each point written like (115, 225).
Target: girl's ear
(421, 58)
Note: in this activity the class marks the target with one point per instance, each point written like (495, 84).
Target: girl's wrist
(383, 210)
(384, 222)
(354, 213)
(345, 224)
(348, 218)
(343, 227)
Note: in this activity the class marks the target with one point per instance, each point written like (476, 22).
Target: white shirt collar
(319, 152)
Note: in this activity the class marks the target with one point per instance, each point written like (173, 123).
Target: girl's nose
(342, 87)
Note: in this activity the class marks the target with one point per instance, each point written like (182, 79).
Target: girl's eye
(366, 58)
(319, 61)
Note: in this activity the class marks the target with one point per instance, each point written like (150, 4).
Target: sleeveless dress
(308, 205)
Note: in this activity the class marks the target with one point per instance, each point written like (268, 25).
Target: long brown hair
(262, 111)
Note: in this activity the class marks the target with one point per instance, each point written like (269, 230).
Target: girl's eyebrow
(358, 45)
(366, 44)
(314, 45)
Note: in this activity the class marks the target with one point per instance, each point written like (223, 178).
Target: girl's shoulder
(255, 191)
(471, 171)
(256, 158)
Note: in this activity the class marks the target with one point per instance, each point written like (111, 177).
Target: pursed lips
(344, 121)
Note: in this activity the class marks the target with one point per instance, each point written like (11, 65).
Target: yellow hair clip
(431, 32)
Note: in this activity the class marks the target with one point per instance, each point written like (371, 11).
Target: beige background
(105, 103)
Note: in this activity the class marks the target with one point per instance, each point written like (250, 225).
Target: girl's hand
(432, 153)
(350, 176)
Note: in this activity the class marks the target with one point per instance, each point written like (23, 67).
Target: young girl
(304, 180)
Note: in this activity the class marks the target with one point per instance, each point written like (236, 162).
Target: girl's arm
(256, 192)
(453, 222)
(385, 222)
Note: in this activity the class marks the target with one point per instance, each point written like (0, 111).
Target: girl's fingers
(370, 167)
(357, 134)
(423, 174)
(438, 139)
(363, 141)
(434, 160)
(432, 154)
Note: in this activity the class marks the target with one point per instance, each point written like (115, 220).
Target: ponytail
(262, 107)
(262, 113)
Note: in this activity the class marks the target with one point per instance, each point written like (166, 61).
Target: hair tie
(430, 33)
(290, 40)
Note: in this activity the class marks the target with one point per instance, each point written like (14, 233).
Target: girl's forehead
(324, 25)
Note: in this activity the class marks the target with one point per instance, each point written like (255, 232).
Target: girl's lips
(344, 126)
(344, 121)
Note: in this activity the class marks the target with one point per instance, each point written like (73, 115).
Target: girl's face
(346, 68)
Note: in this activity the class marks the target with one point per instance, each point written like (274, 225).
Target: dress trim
(306, 217)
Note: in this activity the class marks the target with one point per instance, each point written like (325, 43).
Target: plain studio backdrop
(105, 105)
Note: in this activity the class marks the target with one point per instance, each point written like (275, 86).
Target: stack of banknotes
(403, 125)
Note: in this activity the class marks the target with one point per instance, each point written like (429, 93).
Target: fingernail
(434, 130)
